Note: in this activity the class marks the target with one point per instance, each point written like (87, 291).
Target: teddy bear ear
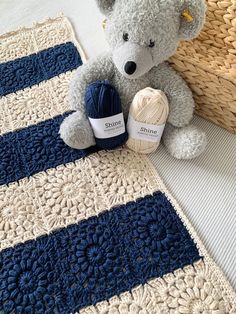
(192, 15)
(105, 6)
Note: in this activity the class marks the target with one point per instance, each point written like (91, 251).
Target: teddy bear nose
(130, 67)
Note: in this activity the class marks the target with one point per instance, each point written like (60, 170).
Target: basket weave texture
(208, 64)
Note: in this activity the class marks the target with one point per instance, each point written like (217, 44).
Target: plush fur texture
(142, 35)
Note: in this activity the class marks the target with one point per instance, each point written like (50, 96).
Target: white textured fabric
(205, 187)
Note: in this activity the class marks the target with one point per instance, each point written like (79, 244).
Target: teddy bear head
(144, 33)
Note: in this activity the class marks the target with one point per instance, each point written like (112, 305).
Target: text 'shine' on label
(108, 127)
(144, 132)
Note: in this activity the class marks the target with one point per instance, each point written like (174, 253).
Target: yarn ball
(103, 101)
(149, 107)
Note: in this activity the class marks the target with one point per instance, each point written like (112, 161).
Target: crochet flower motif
(67, 194)
(19, 73)
(155, 228)
(190, 292)
(45, 148)
(30, 284)
(16, 47)
(202, 297)
(18, 215)
(159, 238)
(96, 259)
(44, 142)
(51, 34)
(27, 107)
(122, 178)
(60, 59)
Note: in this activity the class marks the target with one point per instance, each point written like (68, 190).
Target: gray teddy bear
(142, 35)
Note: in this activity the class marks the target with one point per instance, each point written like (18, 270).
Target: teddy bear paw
(185, 143)
(76, 132)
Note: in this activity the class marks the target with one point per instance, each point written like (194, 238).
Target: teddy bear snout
(132, 60)
(130, 67)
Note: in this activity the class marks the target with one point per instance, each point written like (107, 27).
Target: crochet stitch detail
(35, 104)
(192, 289)
(30, 70)
(40, 37)
(34, 149)
(96, 259)
(70, 193)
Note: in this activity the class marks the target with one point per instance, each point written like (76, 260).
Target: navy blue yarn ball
(102, 101)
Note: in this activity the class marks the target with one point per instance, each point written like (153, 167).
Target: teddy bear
(142, 35)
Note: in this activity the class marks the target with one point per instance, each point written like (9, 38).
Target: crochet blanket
(85, 231)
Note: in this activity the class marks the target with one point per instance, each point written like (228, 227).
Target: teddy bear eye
(151, 44)
(126, 36)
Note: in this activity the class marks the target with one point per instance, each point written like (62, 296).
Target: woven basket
(208, 64)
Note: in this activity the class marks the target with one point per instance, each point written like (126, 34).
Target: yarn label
(108, 127)
(144, 132)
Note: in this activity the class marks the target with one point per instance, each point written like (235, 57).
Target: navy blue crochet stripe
(99, 258)
(30, 70)
(34, 149)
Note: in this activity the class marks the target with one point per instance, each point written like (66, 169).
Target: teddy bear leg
(76, 132)
(184, 143)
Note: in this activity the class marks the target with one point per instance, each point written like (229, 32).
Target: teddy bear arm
(101, 68)
(180, 97)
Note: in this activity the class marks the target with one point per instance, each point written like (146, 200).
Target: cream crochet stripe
(26, 41)
(69, 193)
(35, 104)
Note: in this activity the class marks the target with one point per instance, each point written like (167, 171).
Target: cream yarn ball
(149, 108)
